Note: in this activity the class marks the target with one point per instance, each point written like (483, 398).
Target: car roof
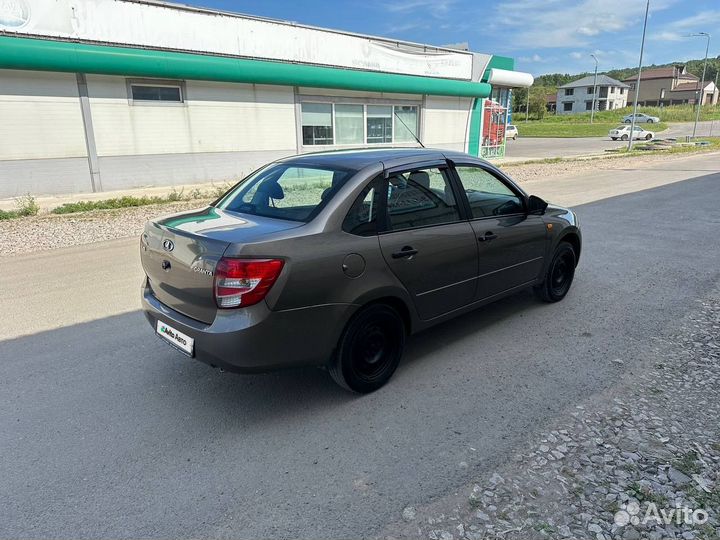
(358, 159)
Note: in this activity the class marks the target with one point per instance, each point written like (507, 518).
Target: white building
(577, 96)
(97, 95)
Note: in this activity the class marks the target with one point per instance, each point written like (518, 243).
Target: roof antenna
(406, 127)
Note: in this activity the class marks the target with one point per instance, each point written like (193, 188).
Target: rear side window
(420, 198)
(488, 195)
(286, 191)
(362, 217)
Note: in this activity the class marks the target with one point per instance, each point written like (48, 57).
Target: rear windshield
(286, 191)
(510, 126)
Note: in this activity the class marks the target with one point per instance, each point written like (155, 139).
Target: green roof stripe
(48, 55)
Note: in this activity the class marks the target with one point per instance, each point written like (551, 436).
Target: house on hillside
(671, 85)
(551, 102)
(577, 96)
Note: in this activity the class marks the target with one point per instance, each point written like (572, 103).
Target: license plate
(175, 337)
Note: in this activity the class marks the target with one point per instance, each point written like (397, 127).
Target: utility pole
(527, 105)
(701, 93)
(639, 75)
(592, 110)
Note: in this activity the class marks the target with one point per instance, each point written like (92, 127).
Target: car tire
(650, 121)
(624, 138)
(648, 137)
(559, 275)
(614, 138)
(627, 121)
(369, 349)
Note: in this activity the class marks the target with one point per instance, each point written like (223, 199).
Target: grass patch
(573, 128)
(25, 206)
(676, 113)
(688, 463)
(131, 201)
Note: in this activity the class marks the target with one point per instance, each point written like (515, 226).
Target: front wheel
(369, 350)
(624, 138)
(650, 121)
(648, 137)
(614, 138)
(559, 275)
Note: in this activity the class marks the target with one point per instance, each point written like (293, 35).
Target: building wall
(42, 139)
(445, 122)
(220, 132)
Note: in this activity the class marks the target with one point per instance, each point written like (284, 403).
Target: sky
(544, 36)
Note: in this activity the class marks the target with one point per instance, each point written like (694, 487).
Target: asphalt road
(554, 147)
(107, 432)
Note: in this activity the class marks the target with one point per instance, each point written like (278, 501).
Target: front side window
(420, 198)
(488, 195)
(156, 93)
(286, 191)
(379, 124)
(317, 126)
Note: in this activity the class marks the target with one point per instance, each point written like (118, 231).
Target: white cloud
(576, 55)
(561, 23)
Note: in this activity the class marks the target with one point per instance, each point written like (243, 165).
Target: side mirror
(536, 205)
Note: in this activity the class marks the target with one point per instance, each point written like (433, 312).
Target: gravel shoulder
(611, 466)
(49, 231)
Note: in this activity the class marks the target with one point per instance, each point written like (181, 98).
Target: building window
(589, 89)
(317, 126)
(567, 106)
(588, 105)
(356, 124)
(569, 91)
(349, 124)
(622, 91)
(406, 122)
(379, 124)
(166, 93)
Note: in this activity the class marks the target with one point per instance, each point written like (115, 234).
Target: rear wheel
(369, 350)
(624, 138)
(650, 121)
(559, 276)
(627, 121)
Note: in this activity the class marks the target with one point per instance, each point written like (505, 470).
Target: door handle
(406, 251)
(487, 237)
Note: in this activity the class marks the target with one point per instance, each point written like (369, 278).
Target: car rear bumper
(257, 339)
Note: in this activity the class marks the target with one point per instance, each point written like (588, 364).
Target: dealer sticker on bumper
(182, 341)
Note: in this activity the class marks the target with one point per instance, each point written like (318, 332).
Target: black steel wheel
(369, 350)
(560, 274)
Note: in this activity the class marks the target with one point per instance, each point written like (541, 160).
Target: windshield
(286, 191)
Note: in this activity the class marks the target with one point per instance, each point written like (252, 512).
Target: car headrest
(420, 177)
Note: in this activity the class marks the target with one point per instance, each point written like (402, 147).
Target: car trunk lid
(179, 255)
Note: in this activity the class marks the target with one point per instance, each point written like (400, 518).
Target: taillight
(244, 282)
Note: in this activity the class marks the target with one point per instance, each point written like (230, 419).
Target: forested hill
(693, 66)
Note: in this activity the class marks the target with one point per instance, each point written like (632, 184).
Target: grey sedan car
(332, 259)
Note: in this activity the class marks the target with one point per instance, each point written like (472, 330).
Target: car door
(426, 242)
(511, 242)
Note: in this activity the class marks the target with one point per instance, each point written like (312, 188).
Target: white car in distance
(640, 118)
(623, 133)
